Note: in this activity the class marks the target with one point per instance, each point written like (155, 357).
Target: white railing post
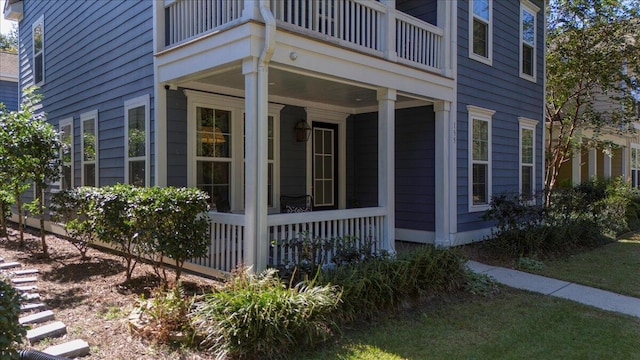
(251, 10)
(388, 31)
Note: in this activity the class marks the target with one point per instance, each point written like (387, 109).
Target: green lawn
(511, 325)
(614, 267)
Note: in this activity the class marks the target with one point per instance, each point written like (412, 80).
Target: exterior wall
(362, 155)
(293, 158)
(498, 87)
(176, 138)
(425, 10)
(98, 72)
(9, 94)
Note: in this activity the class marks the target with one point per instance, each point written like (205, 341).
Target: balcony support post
(445, 168)
(386, 163)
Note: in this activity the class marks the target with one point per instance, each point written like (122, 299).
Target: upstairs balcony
(371, 27)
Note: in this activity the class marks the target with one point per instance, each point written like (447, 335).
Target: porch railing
(365, 25)
(226, 250)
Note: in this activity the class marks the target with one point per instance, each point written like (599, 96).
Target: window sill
(478, 208)
(528, 77)
(482, 59)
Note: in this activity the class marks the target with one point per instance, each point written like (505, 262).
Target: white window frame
(141, 101)
(489, 58)
(93, 114)
(528, 124)
(61, 125)
(634, 166)
(531, 8)
(481, 114)
(237, 108)
(39, 22)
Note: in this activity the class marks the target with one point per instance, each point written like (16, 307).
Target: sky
(5, 25)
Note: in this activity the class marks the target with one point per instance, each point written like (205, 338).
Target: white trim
(481, 114)
(93, 114)
(8, 77)
(471, 236)
(527, 124)
(39, 21)
(634, 167)
(527, 6)
(140, 101)
(61, 124)
(489, 58)
(457, 239)
(416, 236)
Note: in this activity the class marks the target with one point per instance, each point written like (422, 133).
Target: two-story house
(399, 118)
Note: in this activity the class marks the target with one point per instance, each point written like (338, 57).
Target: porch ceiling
(314, 88)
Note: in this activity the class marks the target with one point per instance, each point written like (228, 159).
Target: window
(527, 157)
(216, 149)
(480, 30)
(136, 119)
(635, 165)
(37, 32)
(528, 40)
(479, 158)
(66, 154)
(89, 148)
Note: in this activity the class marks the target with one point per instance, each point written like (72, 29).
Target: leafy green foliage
(480, 284)
(74, 208)
(6, 199)
(256, 316)
(11, 332)
(165, 315)
(9, 42)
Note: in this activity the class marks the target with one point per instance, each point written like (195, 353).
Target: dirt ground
(92, 297)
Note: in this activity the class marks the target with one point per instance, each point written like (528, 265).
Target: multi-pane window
(89, 142)
(136, 143)
(479, 158)
(37, 32)
(527, 157)
(66, 154)
(635, 165)
(528, 40)
(214, 153)
(323, 166)
(480, 30)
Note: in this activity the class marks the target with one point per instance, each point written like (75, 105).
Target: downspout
(262, 129)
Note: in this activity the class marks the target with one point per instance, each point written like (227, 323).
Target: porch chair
(296, 204)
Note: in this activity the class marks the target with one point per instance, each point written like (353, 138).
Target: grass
(511, 325)
(614, 267)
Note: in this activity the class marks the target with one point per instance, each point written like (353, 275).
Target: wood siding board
(9, 94)
(293, 158)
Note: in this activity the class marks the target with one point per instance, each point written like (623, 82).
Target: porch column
(576, 165)
(593, 163)
(445, 160)
(607, 165)
(386, 164)
(623, 163)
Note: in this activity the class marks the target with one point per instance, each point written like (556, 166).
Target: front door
(325, 166)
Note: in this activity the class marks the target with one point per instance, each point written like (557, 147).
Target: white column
(576, 165)
(445, 183)
(607, 165)
(623, 163)
(386, 163)
(251, 206)
(593, 163)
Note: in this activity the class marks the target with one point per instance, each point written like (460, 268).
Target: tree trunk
(45, 249)
(20, 218)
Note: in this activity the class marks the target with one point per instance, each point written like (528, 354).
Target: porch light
(302, 131)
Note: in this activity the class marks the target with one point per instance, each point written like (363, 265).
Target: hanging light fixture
(302, 131)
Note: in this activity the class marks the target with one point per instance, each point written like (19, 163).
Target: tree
(9, 42)
(592, 58)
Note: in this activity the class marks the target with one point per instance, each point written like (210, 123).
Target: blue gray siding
(362, 154)
(98, 54)
(500, 88)
(293, 158)
(176, 138)
(9, 94)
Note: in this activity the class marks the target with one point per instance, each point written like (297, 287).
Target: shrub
(73, 208)
(6, 199)
(256, 316)
(11, 332)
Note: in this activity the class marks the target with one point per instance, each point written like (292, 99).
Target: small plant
(73, 208)
(11, 332)
(480, 284)
(527, 263)
(256, 316)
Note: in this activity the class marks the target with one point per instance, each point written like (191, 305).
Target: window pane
(65, 181)
(328, 192)
(480, 36)
(90, 174)
(318, 193)
(480, 140)
(479, 184)
(528, 27)
(527, 146)
(213, 134)
(318, 165)
(481, 9)
(136, 173)
(328, 167)
(89, 140)
(527, 59)
(204, 172)
(38, 68)
(37, 38)
(137, 136)
(270, 185)
(527, 181)
(317, 140)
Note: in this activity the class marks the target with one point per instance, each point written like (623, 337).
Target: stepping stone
(1, 259)
(31, 296)
(37, 317)
(26, 288)
(24, 280)
(54, 329)
(71, 349)
(29, 307)
(9, 265)
(25, 272)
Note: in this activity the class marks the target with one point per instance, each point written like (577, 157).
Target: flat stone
(24, 280)
(9, 265)
(31, 296)
(29, 307)
(1, 259)
(54, 329)
(26, 288)
(25, 272)
(37, 317)
(71, 349)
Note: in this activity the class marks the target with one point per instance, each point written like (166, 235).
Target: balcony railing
(363, 25)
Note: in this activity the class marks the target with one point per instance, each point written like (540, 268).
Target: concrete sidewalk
(602, 299)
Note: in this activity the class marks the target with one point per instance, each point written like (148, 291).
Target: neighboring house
(401, 118)
(9, 80)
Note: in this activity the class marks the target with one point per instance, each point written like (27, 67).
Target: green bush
(11, 332)
(6, 199)
(256, 316)
(73, 209)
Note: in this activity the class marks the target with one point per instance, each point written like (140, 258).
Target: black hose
(39, 355)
